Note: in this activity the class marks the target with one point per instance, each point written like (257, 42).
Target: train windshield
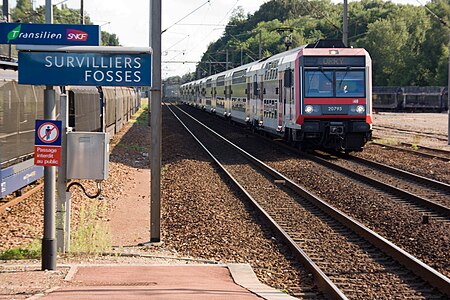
(338, 83)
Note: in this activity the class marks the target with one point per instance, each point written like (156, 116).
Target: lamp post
(345, 25)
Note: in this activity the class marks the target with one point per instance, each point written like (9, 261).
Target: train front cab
(334, 93)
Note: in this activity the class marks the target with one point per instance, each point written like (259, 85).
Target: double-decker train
(90, 109)
(314, 96)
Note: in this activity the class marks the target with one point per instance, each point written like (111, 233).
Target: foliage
(408, 45)
(109, 39)
(24, 13)
(92, 235)
(31, 251)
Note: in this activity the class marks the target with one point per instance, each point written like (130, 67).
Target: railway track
(344, 264)
(17, 199)
(421, 150)
(433, 135)
(430, 197)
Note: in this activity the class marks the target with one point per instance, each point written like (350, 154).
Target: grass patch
(141, 115)
(416, 142)
(92, 235)
(388, 141)
(31, 251)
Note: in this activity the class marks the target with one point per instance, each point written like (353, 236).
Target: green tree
(435, 53)
(408, 45)
(23, 12)
(109, 39)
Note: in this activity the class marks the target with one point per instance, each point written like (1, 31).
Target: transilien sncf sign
(49, 34)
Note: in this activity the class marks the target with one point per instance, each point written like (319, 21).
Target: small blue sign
(49, 34)
(97, 69)
(47, 133)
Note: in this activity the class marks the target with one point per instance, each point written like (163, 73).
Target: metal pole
(260, 44)
(82, 12)
(155, 43)
(6, 15)
(62, 228)
(49, 240)
(241, 57)
(5, 9)
(226, 65)
(48, 12)
(345, 25)
(448, 84)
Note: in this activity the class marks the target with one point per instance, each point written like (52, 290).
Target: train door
(261, 100)
(254, 101)
(281, 104)
(287, 95)
(248, 105)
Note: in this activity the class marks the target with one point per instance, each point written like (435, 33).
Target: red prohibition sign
(48, 132)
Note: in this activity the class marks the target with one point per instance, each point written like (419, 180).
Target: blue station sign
(49, 34)
(97, 69)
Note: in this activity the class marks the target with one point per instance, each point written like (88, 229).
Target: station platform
(179, 281)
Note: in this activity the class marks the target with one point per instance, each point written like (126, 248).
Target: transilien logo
(14, 34)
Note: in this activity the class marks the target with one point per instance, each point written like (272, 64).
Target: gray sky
(185, 41)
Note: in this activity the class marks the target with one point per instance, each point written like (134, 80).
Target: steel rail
(419, 268)
(420, 179)
(322, 280)
(19, 199)
(441, 209)
(418, 152)
(438, 136)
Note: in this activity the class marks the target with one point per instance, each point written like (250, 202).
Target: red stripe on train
(334, 101)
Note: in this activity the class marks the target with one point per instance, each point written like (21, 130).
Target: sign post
(72, 65)
(47, 145)
(49, 239)
(156, 116)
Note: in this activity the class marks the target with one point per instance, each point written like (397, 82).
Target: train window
(318, 83)
(350, 84)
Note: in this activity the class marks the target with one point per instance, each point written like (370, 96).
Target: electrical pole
(82, 12)
(6, 10)
(345, 25)
(49, 239)
(260, 44)
(226, 65)
(448, 91)
(7, 17)
(156, 116)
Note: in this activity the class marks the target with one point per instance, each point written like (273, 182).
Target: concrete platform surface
(234, 281)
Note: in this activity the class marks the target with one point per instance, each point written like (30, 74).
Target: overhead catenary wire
(219, 24)
(209, 1)
(442, 21)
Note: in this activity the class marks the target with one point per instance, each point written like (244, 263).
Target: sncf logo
(76, 35)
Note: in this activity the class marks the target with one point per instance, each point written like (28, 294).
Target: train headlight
(360, 109)
(309, 109)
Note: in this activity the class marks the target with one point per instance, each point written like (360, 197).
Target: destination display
(49, 34)
(334, 61)
(97, 69)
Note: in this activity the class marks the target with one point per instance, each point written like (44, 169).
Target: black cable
(99, 187)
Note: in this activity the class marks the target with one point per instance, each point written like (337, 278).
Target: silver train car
(314, 96)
